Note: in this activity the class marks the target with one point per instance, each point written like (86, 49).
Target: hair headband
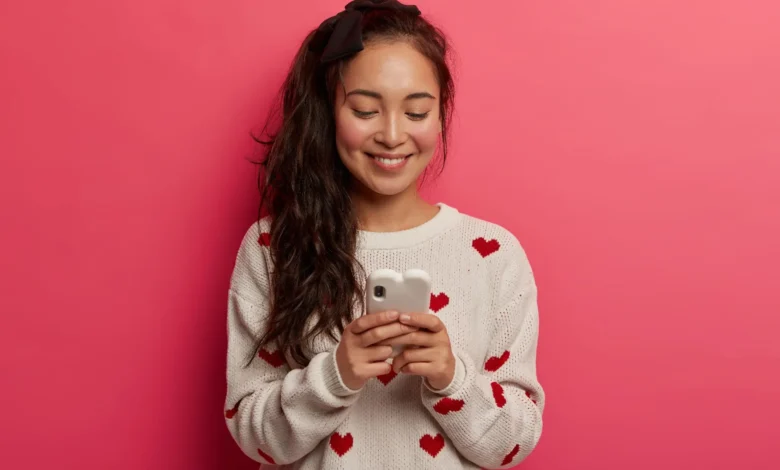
(342, 35)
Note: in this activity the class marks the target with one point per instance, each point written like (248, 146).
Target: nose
(392, 133)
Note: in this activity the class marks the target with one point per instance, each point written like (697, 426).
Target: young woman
(311, 380)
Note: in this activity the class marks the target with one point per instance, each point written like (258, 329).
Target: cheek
(427, 136)
(351, 134)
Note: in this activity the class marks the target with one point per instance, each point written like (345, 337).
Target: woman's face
(387, 117)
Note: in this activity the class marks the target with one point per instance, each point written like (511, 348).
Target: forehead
(391, 68)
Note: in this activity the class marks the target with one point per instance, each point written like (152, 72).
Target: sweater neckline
(445, 219)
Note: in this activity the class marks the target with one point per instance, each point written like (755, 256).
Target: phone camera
(379, 291)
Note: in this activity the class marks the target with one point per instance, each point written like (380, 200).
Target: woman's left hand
(431, 355)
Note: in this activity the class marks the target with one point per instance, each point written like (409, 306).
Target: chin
(388, 190)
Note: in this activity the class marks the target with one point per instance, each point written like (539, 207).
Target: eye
(417, 116)
(363, 114)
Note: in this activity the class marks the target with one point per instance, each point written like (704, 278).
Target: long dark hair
(305, 190)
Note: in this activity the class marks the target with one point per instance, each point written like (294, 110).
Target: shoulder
(250, 277)
(500, 250)
(493, 241)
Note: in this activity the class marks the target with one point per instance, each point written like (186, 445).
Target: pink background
(633, 147)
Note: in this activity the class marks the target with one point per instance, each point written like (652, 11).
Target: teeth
(391, 161)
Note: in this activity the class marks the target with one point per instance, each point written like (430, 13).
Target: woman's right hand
(358, 356)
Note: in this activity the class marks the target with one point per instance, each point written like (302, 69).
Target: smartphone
(407, 292)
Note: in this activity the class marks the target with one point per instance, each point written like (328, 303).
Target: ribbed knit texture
(490, 416)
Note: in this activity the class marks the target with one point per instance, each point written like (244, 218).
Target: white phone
(407, 292)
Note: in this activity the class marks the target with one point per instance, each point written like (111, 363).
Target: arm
(499, 400)
(275, 414)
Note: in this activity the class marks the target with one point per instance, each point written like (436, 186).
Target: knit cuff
(457, 380)
(333, 380)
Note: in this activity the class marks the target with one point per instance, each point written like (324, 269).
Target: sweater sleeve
(275, 413)
(499, 400)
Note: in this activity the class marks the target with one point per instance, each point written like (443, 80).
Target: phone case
(409, 292)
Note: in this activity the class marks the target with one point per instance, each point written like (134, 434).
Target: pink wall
(634, 147)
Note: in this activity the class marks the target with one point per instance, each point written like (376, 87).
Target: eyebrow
(373, 94)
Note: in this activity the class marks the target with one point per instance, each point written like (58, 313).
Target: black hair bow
(342, 35)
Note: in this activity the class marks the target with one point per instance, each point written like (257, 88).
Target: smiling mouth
(389, 162)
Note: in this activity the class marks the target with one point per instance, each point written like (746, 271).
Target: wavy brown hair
(305, 189)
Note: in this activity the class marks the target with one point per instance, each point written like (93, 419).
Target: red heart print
(498, 394)
(265, 239)
(266, 457)
(432, 445)
(446, 405)
(439, 301)
(275, 358)
(511, 456)
(485, 247)
(528, 394)
(341, 444)
(232, 412)
(495, 363)
(387, 378)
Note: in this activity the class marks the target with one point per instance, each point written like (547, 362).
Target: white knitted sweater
(490, 416)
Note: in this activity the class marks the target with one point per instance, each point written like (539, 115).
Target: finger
(415, 338)
(375, 369)
(378, 353)
(423, 320)
(381, 333)
(413, 355)
(372, 320)
(423, 369)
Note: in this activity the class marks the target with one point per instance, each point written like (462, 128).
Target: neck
(379, 213)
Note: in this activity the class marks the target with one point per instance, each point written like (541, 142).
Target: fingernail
(392, 315)
(405, 317)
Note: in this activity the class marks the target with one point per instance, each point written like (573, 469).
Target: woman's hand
(430, 355)
(359, 355)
